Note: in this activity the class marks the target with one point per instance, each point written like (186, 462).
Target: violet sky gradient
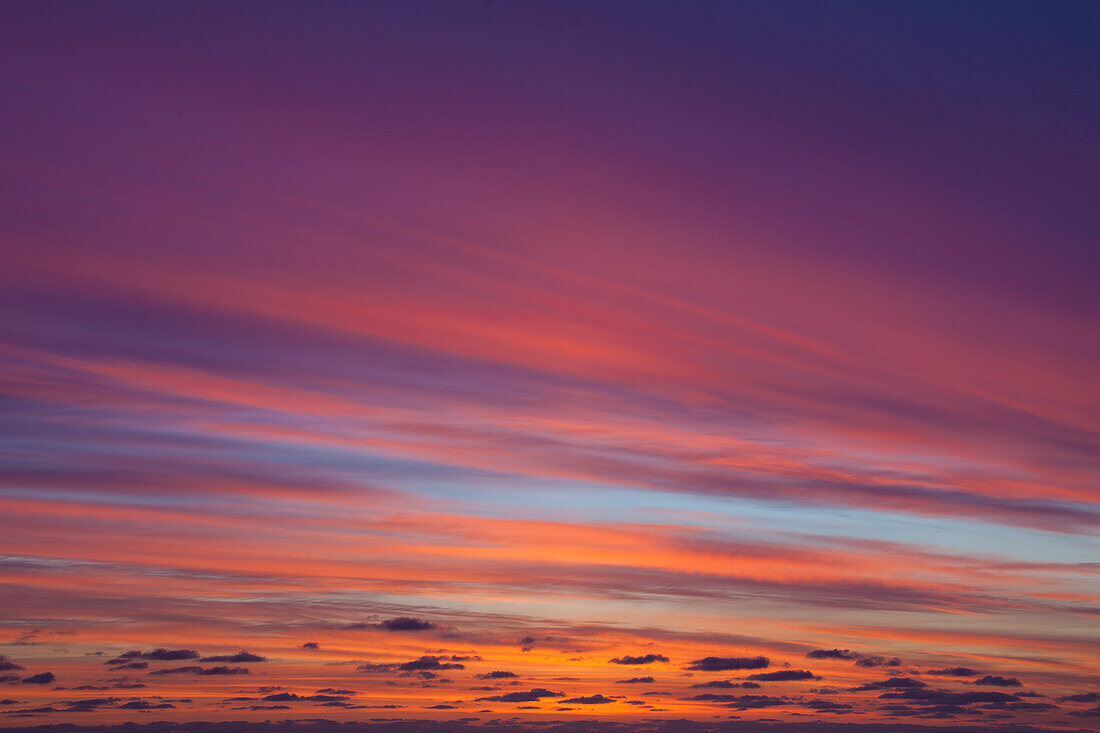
(599, 363)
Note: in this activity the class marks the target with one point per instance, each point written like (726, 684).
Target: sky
(577, 366)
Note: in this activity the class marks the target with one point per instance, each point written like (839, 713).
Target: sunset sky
(601, 361)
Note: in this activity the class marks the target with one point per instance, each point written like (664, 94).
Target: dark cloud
(635, 681)
(727, 685)
(530, 696)
(952, 672)
(311, 645)
(832, 654)
(6, 664)
(647, 659)
(590, 700)
(746, 702)
(40, 679)
(424, 663)
(719, 664)
(142, 705)
(826, 706)
(1081, 697)
(862, 660)
(332, 691)
(877, 661)
(400, 623)
(497, 675)
(894, 683)
(157, 655)
(293, 697)
(997, 681)
(216, 671)
(1090, 713)
(923, 696)
(241, 656)
(429, 662)
(784, 675)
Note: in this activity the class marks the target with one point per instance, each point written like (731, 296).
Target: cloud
(832, 654)
(743, 702)
(241, 656)
(862, 660)
(647, 659)
(877, 661)
(142, 705)
(1081, 697)
(827, 706)
(427, 662)
(311, 645)
(158, 655)
(720, 664)
(952, 672)
(635, 681)
(590, 700)
(894, 683)
(6, 664)
(44, 678)
(922, 696)
(727, 685)
(496, 675)
(293, 697)
(529, 696)
(784, 675)
(997, 681)
(400, 623)
(196, 670)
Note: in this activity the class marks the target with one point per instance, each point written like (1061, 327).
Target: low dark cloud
(784, 675)
(6, 664)
(727, 685)
(894, 683)
(311, 645)
(877, 661)
(827, 706)
(720, 664)
(142, 705)
(997, 681)
(924, 696)
(425, 663)
(400, 623)
(1081, 697)
(590, 700)
(862, 660)
(952, 672)
(497, 675)
(833, 654)
(646, 659)
(196, 670)
(238, 658)
(294, 697)
(635, 681)
(157, 655)
(40, 679)
(530, 696)
(1090, 713)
